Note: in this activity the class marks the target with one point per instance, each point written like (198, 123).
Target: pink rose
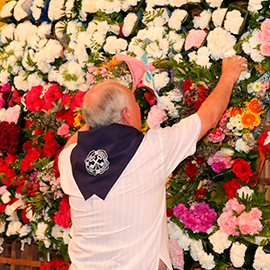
(63, 130)
(194, 38)
(216, 135)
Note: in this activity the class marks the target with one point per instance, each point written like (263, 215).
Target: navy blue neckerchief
(100, 157)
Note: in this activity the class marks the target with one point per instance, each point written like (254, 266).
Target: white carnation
(41, 230)
(237, 254)
(55, 11)
(177, 3)
(90, 6)
(20, 82)
(244, 192)
(2, 226)
(35, 80)
(24, 30)
(261, 260)
(36, 7)
(219, 241)
(202, 21)
(4, 75)
(218, 48)
(115, 45)
(214, 3)
(66, 236)
(6, 197)
(129, 23)
(203, 58)
(19, 13)
(206, 260)
(13, 228)
(7, 8)
(175, 95)
(44, 29)
(175, 21)
(7, 32)
(233, 21)
(218, 16)
(254, 5)
(24, 230)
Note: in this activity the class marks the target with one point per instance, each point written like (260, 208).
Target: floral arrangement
(52, 51)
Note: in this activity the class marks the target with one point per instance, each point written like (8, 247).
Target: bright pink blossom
(194, 38)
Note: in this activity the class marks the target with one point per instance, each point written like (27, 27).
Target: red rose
(197, 104)
(242, 169)
(200, 160)
(191, 170)
(231, 188)
(199, 194)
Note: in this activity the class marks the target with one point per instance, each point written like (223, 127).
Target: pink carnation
(177, 255)
(265, 30)
(224, 120)
(219, 162)
(265, 48)
(194, 38)
(63, 130)
(228, 223)
(216, 136)
(11, 114)
(255, 213)
(155, 117)
(234, 205)
(248, 225)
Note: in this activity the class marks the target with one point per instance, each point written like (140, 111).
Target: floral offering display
(169, 53)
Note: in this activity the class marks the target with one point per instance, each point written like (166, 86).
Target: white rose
(219, 241)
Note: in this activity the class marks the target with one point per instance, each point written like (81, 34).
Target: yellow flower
(250, 120)
(78, 119)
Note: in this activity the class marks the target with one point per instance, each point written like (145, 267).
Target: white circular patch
(97, 162)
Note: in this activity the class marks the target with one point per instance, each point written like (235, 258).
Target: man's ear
(125, 117)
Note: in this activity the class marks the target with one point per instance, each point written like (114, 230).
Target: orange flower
(111, 63)
(234, 111)
(254, 106)
(250, 120)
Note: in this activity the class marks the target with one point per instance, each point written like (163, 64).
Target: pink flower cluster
(199, 217)
(264, 36)
(216, 135)
(194, 38)
(177, 255)
(242, 221)
(219, 162)
(155, 117)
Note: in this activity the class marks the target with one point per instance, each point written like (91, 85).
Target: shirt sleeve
(179, 141)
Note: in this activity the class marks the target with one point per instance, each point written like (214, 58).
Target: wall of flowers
(52, 51)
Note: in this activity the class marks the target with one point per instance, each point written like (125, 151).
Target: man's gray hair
(107, 108)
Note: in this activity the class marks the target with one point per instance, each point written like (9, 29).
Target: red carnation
(231, 187)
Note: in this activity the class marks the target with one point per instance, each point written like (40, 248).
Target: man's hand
(74, 138)
(214, 106)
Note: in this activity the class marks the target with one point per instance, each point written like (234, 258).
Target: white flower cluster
(235, 124)
(251, 44)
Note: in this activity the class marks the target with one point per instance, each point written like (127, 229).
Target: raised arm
(214, 106)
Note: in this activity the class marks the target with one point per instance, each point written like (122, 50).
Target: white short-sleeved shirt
(128, 230)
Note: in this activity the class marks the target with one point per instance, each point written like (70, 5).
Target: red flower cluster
(51, 145)
(63, 217)
(242, 169)
(193, 94)
(9, 137)
(57, 264)
(231, 188)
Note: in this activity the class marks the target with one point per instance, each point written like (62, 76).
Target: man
(115, 176)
